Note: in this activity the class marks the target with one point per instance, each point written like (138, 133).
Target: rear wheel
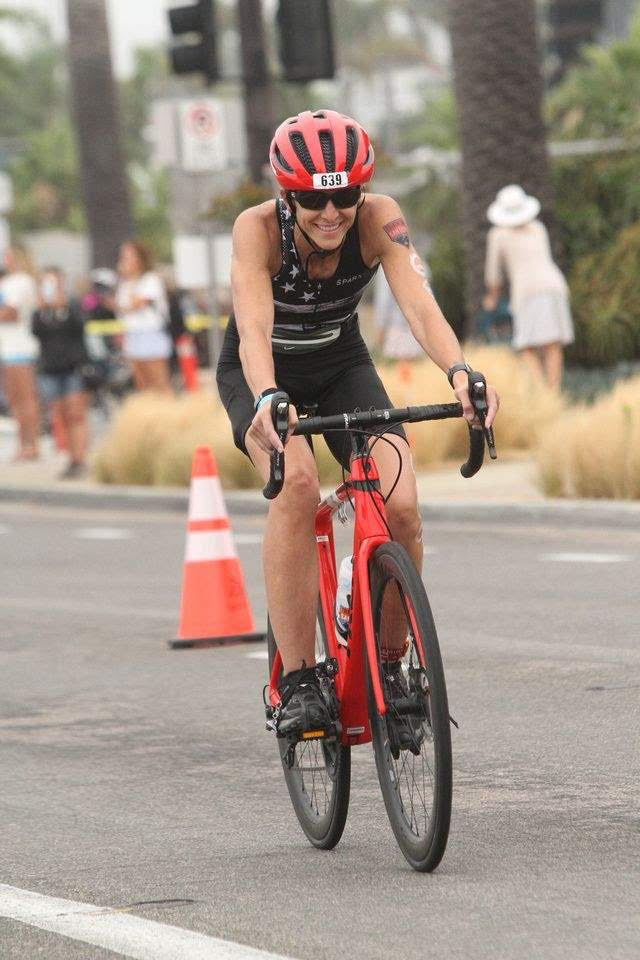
(317, 772)
(412, 741)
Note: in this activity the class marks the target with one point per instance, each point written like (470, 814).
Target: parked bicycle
(375, 688)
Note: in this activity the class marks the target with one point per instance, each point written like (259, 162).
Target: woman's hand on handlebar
(263, 432)
(461, 390)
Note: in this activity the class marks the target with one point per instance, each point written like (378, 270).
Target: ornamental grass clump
(153, 436)
(528, 406)
(594, 451)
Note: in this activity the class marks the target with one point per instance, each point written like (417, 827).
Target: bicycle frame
(369, 532)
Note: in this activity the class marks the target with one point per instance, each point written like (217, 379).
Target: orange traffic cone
(215, 607)
(188, 360)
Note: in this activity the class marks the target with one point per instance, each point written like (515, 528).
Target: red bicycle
(394, 696)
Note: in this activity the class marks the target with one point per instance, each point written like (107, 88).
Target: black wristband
(260, 397)
(455, 368)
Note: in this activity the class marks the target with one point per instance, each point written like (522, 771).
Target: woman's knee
(404, 517)
(301, 483)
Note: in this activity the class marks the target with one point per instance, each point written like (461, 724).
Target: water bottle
(343, 597)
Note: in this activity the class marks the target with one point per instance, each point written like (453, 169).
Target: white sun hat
(513, 207)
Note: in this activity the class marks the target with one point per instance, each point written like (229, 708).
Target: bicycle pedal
(313, 735)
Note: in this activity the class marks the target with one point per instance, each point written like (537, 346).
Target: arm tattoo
(397, 231)
(420, 269)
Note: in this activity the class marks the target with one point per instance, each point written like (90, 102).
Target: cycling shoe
(303, 708)
(405, 728)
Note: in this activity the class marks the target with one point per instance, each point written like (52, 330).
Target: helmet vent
(352, 147)
(281, 160)
(328, 152)
(320, 115)
(302, 151)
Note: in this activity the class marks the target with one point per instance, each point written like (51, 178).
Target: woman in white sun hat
(518, 251)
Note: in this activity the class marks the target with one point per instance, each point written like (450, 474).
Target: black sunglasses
(318, 199)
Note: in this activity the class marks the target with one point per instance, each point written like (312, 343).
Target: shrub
(152, 438)
(595, 451)
(606, 302)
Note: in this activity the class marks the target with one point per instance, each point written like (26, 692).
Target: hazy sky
(132, 23)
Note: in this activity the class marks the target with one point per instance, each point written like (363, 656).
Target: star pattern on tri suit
(306, 296)
(288, 287)
(294, 271)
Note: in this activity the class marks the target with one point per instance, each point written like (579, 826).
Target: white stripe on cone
(205, 500)
(204, 545)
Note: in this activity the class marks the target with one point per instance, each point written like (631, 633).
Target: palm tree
(498, 87)
(95, 108)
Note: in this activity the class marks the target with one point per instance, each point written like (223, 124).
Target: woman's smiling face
(328, 227)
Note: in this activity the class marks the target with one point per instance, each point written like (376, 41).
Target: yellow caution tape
(194, 323)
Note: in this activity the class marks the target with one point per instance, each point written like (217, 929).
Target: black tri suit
(319, 355)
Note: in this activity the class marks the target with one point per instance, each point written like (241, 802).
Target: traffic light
(306, 40)
(196, 52)
(572, 23)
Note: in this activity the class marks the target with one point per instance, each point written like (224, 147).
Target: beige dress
(539, 299)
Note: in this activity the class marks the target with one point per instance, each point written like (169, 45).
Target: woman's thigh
(392, 455)
(19, 384)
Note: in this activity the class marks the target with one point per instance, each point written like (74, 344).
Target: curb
(569, 513)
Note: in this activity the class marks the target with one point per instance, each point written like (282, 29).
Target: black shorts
(337, 378)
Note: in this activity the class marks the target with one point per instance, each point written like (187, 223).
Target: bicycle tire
(428, 728)
(322, 820)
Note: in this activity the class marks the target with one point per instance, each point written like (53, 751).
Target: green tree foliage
(32, 87)
(45, 180)
(599, 195)
(606, 303)
(600, 97)
(150, 71)
(225, 207)
(149, 188)
(34, 123)
(599, 199)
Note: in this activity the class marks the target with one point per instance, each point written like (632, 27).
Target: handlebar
(366, 419)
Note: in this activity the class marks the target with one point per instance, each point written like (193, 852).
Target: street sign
(202, 135)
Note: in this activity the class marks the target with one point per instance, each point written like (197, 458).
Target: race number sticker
(330, 181)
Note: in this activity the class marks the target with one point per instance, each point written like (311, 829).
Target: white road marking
(122, 933)
(103, 533)
(258, 655)
(585, 557)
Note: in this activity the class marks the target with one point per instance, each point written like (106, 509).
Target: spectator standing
(19, 349)
(58, 323)
(519, 251)
(141, 302)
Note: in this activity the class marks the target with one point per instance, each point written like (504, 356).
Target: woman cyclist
(300, 266)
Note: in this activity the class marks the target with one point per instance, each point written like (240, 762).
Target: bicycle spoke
(413, 776)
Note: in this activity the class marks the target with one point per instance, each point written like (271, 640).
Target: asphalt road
(141, 778)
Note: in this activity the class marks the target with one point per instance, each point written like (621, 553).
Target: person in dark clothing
(58, 323)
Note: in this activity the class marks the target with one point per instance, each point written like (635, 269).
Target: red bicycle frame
(369, 532)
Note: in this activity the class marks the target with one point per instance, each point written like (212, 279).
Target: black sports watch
(455, 368)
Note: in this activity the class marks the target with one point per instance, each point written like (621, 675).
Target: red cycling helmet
(314, 144)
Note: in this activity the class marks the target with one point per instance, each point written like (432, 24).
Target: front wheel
(317, 772)
(412, 740)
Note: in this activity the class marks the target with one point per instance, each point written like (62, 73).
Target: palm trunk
(95, 109)
(499, 89)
